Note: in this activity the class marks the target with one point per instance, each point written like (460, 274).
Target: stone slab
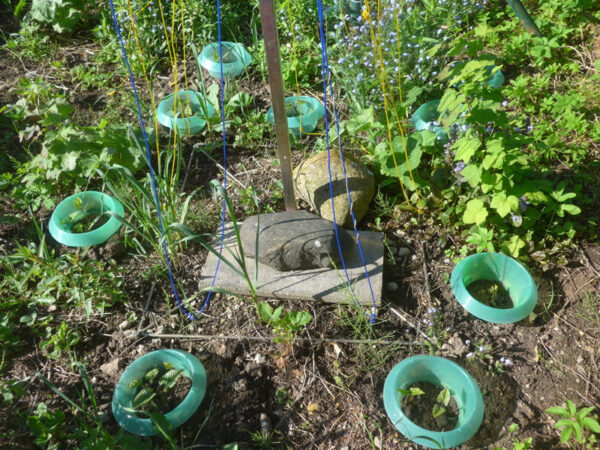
(323, 284)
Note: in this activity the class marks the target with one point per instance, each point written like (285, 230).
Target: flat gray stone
(291, 240)
(321, 284)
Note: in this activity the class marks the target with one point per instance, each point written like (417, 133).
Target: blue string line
(327, 81)
(189, 315)
(223, 206)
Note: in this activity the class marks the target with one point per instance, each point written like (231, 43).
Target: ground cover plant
(510, 167)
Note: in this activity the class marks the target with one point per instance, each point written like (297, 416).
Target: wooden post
(267, 15)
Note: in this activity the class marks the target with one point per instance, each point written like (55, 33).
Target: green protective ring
(66, 213)
(445, 374)
(185, 125)
(123, 395)
(211, 64)
(312, 112)
(500, 268)
(425, 116)
(356, 5)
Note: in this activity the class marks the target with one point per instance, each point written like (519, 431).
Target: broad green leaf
(583, 412)
(489, 181)
(514, 245)
(571, 406)
(578, 432)
(438, 410)
(476, 212)
(444, 397)
(69, 161)
(265, 311)
(143, 397)
(503, 204)
(151, 374)
(566, 434)
(591, 424)
(473, 174)
(571, 209)
(465, 148)
(277, 313)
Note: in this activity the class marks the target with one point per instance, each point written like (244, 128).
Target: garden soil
(321, 391)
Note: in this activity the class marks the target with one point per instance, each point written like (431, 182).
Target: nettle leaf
(473, 174)
(465, 148)
(504, 204)
(151, 374)
(476, 212)
(143, 397)
(169, 379)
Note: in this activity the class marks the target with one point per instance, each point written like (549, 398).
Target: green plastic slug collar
(303, 114)
(78, 206)
(425, 118)
(123, 397)
(502, 269)
(235, 59)
(188, 111)
(445, 374)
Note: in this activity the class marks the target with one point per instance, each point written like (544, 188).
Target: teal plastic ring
(123, 395)
(312, 111)
(425, 116)
(92, 203)
(445, 374)
(185, 125)
(502, 269)
(209, 59)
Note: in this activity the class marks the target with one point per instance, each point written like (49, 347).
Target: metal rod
(267, 15)
(524, 17)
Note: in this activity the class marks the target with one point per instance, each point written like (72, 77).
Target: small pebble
(392, 286)
(403, 251)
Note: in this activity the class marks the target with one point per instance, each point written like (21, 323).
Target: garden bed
(324, 387)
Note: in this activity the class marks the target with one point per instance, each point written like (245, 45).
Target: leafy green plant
(507, 201)
(59, 340)
(36, 283)
(443, 399)
(61, 153)
(63, 15)
(577, 423)
(526, 444)
(286, 326)
(80, 421)
(157, 380)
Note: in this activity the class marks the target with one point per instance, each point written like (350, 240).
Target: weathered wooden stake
(267, 15)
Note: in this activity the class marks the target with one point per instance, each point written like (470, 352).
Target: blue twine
(327, 81)
(188, 314)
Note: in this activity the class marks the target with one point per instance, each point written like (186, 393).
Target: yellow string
(137, 42)
(382, 77)
(295, 60)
